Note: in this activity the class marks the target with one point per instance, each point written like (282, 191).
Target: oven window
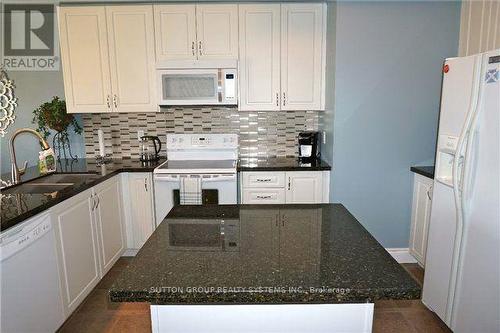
(208, 197)
(194, 235)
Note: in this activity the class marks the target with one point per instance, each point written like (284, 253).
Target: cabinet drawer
(264, 196)
(263, 179)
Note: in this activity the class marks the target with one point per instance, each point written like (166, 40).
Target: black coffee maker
(308, 146)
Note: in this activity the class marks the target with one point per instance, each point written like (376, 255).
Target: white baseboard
(130, 252)
(402, 255)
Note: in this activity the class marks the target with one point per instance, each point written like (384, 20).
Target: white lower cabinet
(77, 248)
(109, 222)
(90, 237)
(280, 187)
(420, 217)
(138, 194)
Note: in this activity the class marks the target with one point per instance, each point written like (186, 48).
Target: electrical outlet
(140, 133)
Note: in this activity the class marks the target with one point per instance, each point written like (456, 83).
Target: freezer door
(477, 299)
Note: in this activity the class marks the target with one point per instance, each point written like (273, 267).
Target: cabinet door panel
(304, 187)
(131, 52)
(421, 210)
(84, 52)
(110, 223)
(141, 200)
(77, 249)
(175, 32)
(259, 57)
(302, 56)
(217, 31)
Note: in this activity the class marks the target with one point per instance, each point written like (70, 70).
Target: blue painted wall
(388, 63)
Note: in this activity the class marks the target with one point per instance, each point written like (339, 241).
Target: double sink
(51, 183)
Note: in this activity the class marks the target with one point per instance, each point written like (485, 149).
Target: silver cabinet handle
(261, 180)
(277, 99)
(264, 197)
(200, 48)
(98, 201)
(108, 102)
(429, 193)
(115, 100)
(193, 48)
(146, 184)
(283, 220)
(289, 183)
(284, 99)
(94, 203)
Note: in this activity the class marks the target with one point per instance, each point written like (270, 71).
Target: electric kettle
(149, 148)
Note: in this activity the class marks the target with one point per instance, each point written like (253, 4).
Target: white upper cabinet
(175, 32)
(217, 31)
(132, 60)
(191, 32)
(108, 58)
(84, 52)
(282, 51)
(302, 63)
(259, 29)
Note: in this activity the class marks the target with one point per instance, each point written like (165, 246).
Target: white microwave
(213, 86)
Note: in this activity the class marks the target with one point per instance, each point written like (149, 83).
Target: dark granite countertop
(280, 164)
(426, 171)
(20, 206)
(274, 254)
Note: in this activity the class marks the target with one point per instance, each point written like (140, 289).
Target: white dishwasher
(30, 287)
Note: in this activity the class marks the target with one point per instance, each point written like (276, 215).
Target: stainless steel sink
(64, 178)
(35, 188)
(51, 183)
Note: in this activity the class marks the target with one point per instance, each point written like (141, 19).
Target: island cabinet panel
(108, 58)
(110, 226)
(420, 217)
(77, 248)
(85, 59)
(279, 187)
(141, 222)
(244, 318)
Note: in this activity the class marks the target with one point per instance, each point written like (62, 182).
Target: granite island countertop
(21, 206)
(290, 163)
(276, 254)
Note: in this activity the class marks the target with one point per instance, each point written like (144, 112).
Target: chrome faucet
(15, 172)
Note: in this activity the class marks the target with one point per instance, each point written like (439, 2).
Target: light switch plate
(140, 133)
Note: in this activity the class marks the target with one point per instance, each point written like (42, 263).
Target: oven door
(215, 189)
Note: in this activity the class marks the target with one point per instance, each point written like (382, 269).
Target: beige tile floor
(97, 314)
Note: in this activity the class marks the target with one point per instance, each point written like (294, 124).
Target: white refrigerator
(462, 272)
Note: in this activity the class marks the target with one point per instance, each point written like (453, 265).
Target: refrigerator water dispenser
(447, 147)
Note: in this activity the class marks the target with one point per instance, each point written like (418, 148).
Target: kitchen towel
(190, 190)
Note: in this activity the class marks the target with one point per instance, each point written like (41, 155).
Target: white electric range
(204, 163)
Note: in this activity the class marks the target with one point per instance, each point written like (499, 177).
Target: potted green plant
(53, 116)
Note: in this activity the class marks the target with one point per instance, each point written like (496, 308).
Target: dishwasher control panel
(22, 237)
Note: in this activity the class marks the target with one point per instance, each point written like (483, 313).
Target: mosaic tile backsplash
(261, 134)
